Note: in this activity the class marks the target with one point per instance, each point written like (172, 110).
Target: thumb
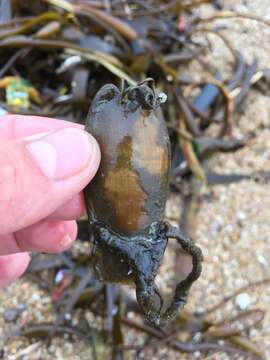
(39, 174)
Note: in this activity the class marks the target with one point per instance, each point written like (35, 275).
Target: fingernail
(64, 153)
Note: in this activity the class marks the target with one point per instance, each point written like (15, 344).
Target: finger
(12, 266)
(73, 209)
(39, 176)
(46, 236)
(18, 126)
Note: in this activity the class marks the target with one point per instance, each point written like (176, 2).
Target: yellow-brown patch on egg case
(149, 153)
(124, 191)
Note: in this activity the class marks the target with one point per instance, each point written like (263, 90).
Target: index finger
(18, 126)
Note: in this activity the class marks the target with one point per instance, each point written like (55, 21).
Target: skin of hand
(44, 165)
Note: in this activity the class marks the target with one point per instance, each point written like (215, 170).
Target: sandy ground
(232, 227)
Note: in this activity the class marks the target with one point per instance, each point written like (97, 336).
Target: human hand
(44, 165)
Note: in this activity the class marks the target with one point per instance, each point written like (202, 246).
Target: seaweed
(63, 52)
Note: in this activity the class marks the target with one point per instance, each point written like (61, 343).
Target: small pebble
(162, 97)
(10, 315)
(67, 316)
(243, 301)
(59, 276)
(197, 337)
(241, 215)
(21, 307)
(262, 260)
(114, 310)
(35, 297)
